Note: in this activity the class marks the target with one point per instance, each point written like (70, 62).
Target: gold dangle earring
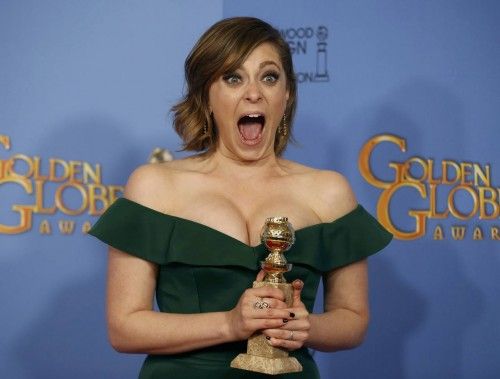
(284, 128)
(205, 126)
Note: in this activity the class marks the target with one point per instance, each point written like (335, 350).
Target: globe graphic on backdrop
(322, 33)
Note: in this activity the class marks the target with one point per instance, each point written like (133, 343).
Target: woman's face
(248, 105)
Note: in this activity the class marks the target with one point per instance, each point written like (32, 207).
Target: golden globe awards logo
(446, 180)
(32, 175)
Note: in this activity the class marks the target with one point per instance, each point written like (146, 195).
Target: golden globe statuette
(160, 155)
(278, 236)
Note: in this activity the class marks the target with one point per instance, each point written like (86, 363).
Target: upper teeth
(254, 115)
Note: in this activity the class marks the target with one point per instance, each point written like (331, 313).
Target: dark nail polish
(268, 338)
(292, 315)
(285, 320)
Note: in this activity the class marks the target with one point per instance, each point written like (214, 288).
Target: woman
(189, 229)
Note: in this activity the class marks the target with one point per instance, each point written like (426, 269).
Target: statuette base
(271, 366)
(262, 357)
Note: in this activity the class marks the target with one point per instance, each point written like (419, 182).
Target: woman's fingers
(301, 324)
(257, 309)
(260, 276)
(288, 339)
(264, 323)
(269, 313)
(264, 308)
(273, 303)
(297, 286)
(265, 297)
(289, 345)
(266, 291)
(285, 334)
(295, 332)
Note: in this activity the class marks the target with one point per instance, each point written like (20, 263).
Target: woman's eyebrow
(265, 63)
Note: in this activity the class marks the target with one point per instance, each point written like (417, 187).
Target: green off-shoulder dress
(204, 270)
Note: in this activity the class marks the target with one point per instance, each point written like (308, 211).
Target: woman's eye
(271, 77)
(232, 78)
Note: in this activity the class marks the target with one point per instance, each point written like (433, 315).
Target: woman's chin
(253, 151)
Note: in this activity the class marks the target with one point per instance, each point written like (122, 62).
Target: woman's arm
(134, 327)
(346, 311)
(344, 321)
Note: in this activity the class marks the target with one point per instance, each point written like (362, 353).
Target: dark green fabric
(204, 270)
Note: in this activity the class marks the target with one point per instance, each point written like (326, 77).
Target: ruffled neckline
(210, 229)
(166, 239)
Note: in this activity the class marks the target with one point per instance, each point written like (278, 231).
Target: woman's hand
(246, 317)
(294, 333)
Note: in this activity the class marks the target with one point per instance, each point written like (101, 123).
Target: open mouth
(250, 127)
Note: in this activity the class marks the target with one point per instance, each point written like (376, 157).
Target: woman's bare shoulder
(329, 191)
(334, 194)
(153, 184)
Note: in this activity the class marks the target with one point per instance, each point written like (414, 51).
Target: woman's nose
(253, 92)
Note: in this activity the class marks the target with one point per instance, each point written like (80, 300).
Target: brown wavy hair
(223, 48)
